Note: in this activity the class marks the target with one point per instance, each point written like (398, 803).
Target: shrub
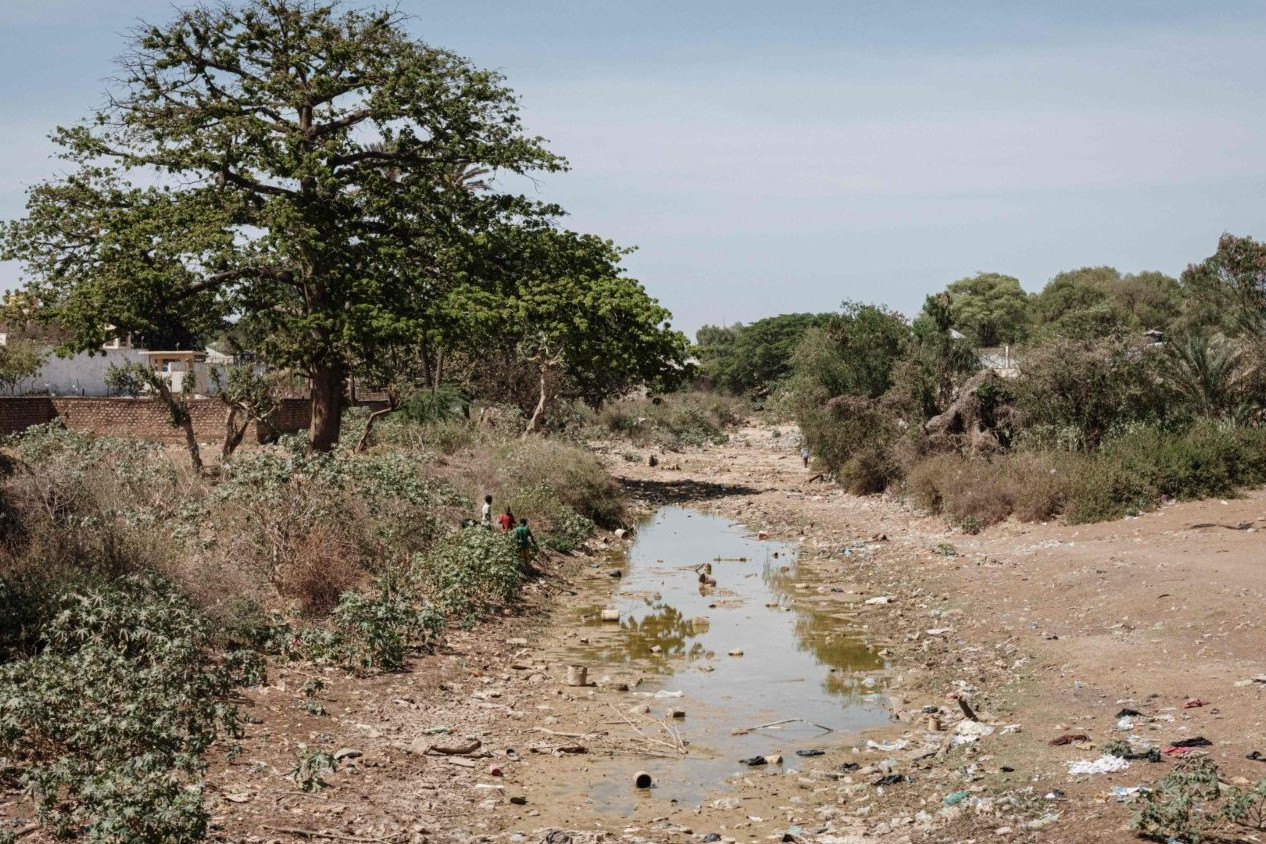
(375, 629)
(677, 420)
(851, 438)
(977, 492)
(1179, 804)
(542, 476)
(568, 531)
(111, 720)
(473, 573)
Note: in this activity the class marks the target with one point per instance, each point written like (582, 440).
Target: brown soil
(1045, 630)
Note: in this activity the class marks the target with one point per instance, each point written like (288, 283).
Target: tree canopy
(302, 170)
(989, 308)
(753, 358)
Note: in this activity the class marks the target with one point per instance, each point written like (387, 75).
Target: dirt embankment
(1043, 631)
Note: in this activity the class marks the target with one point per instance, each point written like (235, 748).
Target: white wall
(81, 375)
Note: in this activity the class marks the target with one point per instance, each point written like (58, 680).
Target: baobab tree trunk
(327, 405)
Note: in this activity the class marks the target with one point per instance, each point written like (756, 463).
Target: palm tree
(1207, 372)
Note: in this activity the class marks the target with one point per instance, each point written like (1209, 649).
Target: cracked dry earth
(1042, 631)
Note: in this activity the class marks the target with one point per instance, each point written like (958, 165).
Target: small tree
(19, 360)
(249, 397)
(134, 379)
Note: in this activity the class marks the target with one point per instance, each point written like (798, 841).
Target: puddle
(799, 661)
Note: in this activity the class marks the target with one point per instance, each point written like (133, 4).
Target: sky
(767, 158)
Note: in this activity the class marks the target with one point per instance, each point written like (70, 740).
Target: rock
(518, 800)
(676, 713)
(347, 753)
(736, 652)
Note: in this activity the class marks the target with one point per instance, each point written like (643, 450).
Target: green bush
(851, 437)
(111, 720)
(568, 531)
(471, 574)
(1134, 470)
(373, 630)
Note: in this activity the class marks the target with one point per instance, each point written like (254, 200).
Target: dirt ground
(1042, 630)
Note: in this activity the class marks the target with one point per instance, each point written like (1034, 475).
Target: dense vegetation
(135, 595)
(1123, 391)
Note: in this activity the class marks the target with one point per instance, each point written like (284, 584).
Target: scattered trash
(610, 614)
(711, 837)
(1055, 794)
(846, 767)
(642, 780)
(1102, 765)
(1198, 741)
(1195, 703)
(891, 779)
(736, 652)
(754, 761)
(882, 599)
(460, 750)
(495, 770)
(676, 713)
(773, 758)
(1129, 713)
(1124, 793)
(955, 797)
(1068, 738)
(577, 675)
(1248, 681)
(347, 753)
(1125, 724)
(812, 751)
(886, 746)
(966, 732)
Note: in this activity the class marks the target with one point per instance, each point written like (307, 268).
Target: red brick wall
(144, 418)
(17, 413)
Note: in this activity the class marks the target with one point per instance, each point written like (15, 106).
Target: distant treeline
(1125, 389)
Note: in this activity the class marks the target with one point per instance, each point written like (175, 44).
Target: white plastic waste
(1103, 765)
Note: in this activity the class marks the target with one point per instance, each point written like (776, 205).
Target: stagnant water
(799, 661)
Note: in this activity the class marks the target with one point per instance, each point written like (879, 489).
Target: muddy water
(675, 637)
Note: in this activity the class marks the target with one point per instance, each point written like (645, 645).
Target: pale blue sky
(772, 157)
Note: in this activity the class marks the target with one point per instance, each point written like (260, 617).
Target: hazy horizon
(769, 160)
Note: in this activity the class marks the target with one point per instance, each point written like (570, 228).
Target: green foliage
(1097, 302)
(850, 437)
(1178, 807)
(541, 476)
(310, 765)
(444, 404)
(319, 208)
(1135, 470)
(854, 354)
(753, 359)
(1088, 386)
(374, 630)
(471, 574)
(112, 719)
(19, 360)
(568, 531)
(989, 308)
(935, 363)
(1211, 375)
(1246, 807)
(1229, 287)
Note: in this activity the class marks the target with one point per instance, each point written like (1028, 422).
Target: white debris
(1103, 765)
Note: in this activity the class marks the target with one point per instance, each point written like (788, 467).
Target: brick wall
(144, 418)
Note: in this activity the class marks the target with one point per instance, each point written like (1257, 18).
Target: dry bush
(962, 489)
(322, 566)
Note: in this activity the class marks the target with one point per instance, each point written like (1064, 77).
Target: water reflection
(800, 656)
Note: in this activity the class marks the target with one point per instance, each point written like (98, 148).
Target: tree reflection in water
(664, 626)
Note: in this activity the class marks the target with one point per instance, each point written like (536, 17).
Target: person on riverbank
(804, 455)
(506, 520)
(524, 541)
(485, 514)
